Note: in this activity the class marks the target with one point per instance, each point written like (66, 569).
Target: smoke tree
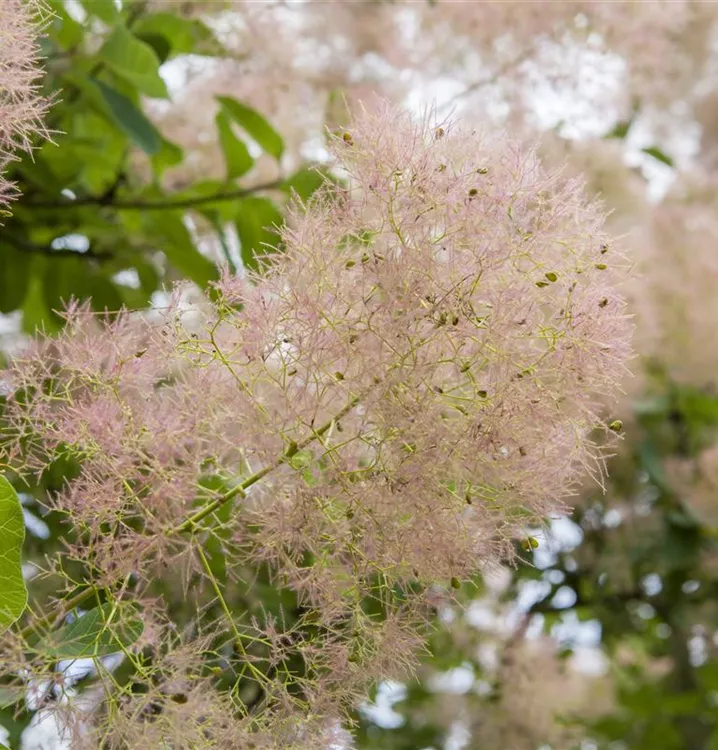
(313, 372)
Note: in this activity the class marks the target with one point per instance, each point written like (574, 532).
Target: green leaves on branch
(107, 629)
(13, 594)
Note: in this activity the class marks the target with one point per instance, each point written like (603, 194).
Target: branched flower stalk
(21, 104)
(284, 477)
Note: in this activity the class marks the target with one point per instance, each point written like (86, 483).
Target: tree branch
(168, 203)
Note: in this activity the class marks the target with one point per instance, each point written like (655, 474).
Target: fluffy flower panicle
(406, 387)
(21, 106)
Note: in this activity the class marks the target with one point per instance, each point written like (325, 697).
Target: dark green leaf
(255, 125)
(160, 44)
(14, 269)
(257, 221)
(131, 120)
(104, 630)
(236, 155)
(134, 61)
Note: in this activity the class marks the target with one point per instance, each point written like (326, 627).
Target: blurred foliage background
(180, 130)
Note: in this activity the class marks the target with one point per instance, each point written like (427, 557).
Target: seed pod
(529, 543)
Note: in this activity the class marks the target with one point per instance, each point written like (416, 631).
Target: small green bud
(350, 264)
(616, 425)
(541, 284)
(455, 583)
(483, 170)
(339, 375)
(551, 276)
(601, 266)
(347, 138)
(473, 192)
(529, 543)
(482, 394)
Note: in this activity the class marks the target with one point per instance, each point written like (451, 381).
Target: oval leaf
(236, 155)
(255, 125)
(13, 594)
(135, 61)
(109, 628)
(131, 120)
(257, 222)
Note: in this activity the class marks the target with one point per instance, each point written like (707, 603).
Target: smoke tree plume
(382, 412)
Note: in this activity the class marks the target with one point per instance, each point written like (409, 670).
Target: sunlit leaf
(255, 125)
(236, 155)
(13, 594)
(135, 61)
(104, 630)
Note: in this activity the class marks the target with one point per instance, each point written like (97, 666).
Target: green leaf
(255, 125)
(236, 155)
(620, 130)
(14, 267)
(62, 28)
(13, 594)
(183, 35)
(304, 183)
(9, 696)
(131, 120)
(179, 248)
(658, 154)
(109, 628)
(160, 44)
(257, 222)
(134, 61)
(169, 155)
(105, 10)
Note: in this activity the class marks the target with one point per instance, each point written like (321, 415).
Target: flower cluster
(383, 410)
(21, 106)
